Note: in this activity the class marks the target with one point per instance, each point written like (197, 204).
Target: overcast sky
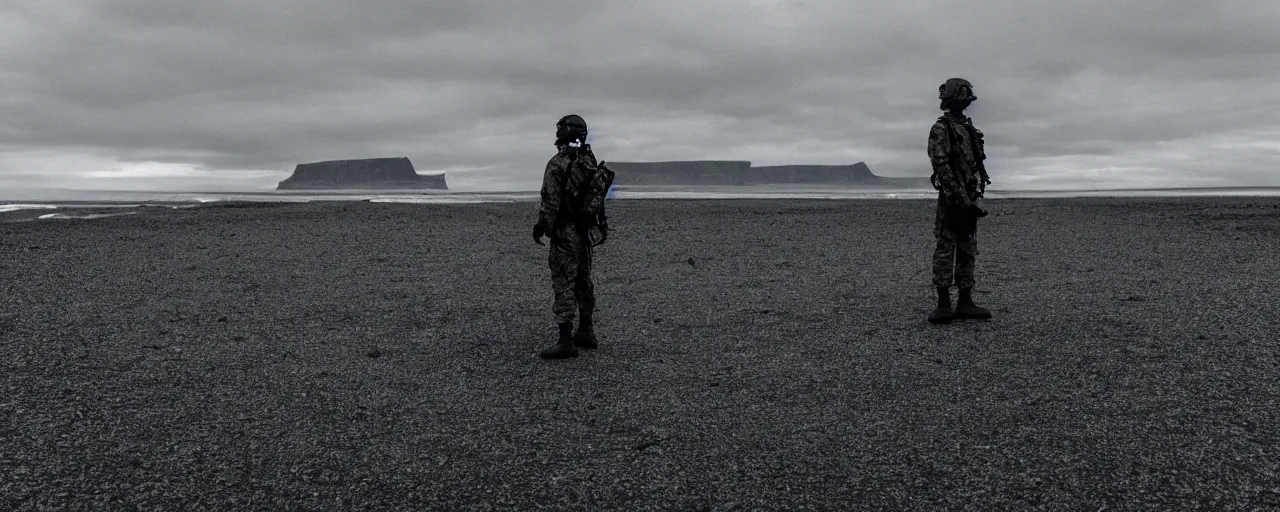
(234, 93)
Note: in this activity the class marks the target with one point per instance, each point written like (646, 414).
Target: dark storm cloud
(1071, 93)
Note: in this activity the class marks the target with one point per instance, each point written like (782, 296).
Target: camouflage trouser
(570, 260)
(954, 253)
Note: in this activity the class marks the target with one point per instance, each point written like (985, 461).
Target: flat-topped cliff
(740, 173)
(369, 173)
(694, 172)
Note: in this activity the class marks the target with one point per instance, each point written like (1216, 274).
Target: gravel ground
(754, 355)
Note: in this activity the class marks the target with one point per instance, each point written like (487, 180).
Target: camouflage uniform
(956, 151)
(570, 249)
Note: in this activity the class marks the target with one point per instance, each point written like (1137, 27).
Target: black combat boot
(564, 346)
(943, 314)
(967, 310)
(586, 335)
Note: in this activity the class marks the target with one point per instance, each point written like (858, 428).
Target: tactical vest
(978, 157)
(585, 205)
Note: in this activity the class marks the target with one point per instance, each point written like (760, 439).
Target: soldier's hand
(539, 231)
(604, 233)
(978, 211)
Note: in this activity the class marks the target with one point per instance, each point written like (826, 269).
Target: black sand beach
(754, 355)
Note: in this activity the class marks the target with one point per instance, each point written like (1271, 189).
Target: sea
(65, 203)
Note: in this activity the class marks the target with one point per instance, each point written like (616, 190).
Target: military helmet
(569, 128)
(956, 89)
(572, 121)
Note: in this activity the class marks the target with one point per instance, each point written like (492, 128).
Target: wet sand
(754, 355)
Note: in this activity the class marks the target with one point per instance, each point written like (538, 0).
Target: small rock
(644, 446)
(375, 353)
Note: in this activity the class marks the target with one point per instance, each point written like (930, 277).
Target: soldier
(956, 152)
(571, 215)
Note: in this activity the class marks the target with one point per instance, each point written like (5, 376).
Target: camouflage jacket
(956, 151)
(560, 183)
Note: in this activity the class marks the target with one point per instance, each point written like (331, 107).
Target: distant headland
(741, 173)
(370, 173)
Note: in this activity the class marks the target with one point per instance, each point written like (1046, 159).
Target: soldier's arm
(982, 144)
(597, 204)
(982, 152)
(939, 155)
(551, 190)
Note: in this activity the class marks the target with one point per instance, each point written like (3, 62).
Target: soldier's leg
(966, 256)
(564, 270)
(584, 287)
(584, 292)
(944, 254)
(944, 251)
(564, 274)
(944, 258)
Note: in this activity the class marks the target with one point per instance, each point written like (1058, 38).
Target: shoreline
(76, 197)
(22, 212)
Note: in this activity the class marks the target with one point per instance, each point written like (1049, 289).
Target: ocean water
(61, 203)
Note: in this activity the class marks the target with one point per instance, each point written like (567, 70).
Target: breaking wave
(85, 216)
(18, 207)
(454, 199)
(110, 199)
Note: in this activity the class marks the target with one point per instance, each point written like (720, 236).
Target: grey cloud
(1069, 90)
